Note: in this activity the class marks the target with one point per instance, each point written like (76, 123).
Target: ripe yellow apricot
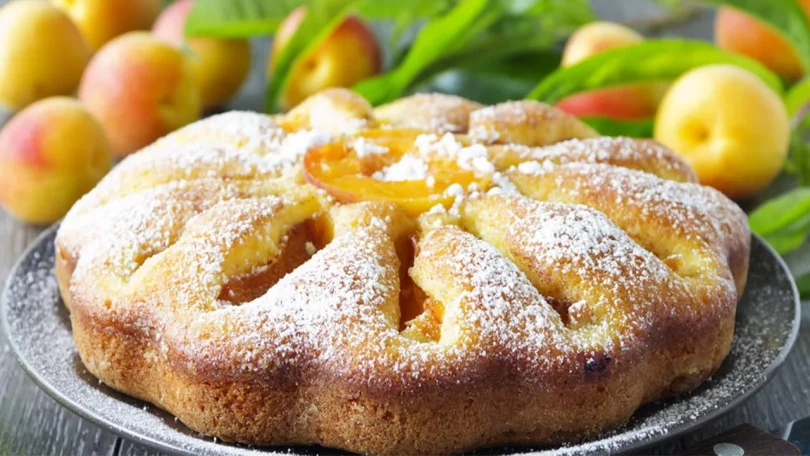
(42, 53)
(51, 154)
(728, 125)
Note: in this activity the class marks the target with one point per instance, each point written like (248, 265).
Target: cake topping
(460, 267)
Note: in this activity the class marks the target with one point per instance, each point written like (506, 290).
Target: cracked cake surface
(240, 276)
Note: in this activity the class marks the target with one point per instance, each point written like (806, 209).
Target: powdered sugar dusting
(407, 168)
(551, 286)
(39, 331)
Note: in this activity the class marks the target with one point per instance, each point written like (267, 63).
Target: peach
(636, 101)
(221, 65)
(102, 20)
(140, 88)
(596, 37)
(348, 55)
(51, 154)
(738, 32)
(728, 125)
(42, 53)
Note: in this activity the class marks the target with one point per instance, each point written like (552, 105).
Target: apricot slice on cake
(387, 165)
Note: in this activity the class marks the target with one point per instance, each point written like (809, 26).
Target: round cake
(430, 276)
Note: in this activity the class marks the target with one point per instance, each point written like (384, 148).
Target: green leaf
(798, 96)
(781, 214)
(482, 33)
(786, 242)
(798, 161)
(443, 35)
(785, 17)
(654, 60)
(559, 15)
(525, 66)
(238, 18)
(641, 128)
(488, 83)
(515, 59)
(404, 16)
(413, 9)
(322, 17)
(803, 285)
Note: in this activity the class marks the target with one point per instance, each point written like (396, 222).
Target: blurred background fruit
(348, 55)
(636, 101)
(596, 37)
(221, 65)
(102, 20)
(140, 88)
(739, 32)
(51, 154)
(42, 53)
(728, 125)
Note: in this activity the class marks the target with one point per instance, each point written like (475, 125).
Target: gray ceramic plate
(38, 328)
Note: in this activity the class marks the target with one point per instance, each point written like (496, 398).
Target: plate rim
(121, 431)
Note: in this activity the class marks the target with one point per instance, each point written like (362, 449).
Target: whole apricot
(140, 88)
(738, 32)
(102, 20)
(51, 153)
(42, 53)
(596, 37)
(221, 65)
(348, 55)
(728, 125)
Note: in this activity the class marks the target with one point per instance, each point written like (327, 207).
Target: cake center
(412, 168)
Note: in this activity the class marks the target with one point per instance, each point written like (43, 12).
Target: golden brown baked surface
(586, 277)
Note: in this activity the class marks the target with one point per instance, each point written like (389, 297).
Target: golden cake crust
(204, 276)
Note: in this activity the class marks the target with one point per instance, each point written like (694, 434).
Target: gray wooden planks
(129, 448)
(31, 423)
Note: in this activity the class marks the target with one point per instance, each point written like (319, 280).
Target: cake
(429, 276)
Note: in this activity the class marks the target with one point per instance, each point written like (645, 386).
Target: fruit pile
(724, 121)
(136, 77)
(139, 72)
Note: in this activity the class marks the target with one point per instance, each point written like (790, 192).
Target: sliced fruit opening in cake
(298, 246)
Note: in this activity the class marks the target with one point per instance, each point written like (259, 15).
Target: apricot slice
(387, 165)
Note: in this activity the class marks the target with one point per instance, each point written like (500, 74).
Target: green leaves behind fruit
(649, 61)
(479, 32)
(491, 81)
(798, 96)
(635, 128)
(783, 221)
(238, 18)
(441, 36)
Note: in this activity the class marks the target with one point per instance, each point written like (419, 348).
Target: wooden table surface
(31, 423)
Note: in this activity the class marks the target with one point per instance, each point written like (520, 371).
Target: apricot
(348, 55)
(51, 154)
(42, 53)
(596, 37)
(102, 20)
(728, 125)
(738, 32)
(635, 101)
(140, 88)
(221, 65)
